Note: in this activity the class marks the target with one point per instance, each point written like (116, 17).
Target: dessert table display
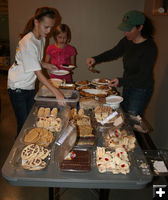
(86, 144)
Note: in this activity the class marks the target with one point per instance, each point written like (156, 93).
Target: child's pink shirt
(61, 56)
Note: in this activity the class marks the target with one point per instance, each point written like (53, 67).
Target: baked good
(93, 93)
(82, 161)
(50, 122)
(102, 112)
(88, 103)
(33, 157)
(82, 82)
(103, 80)
(54, 112)
(46, 112)
(30, 151)
(40, 112)
(115, 162)
(44, 137)
(85, 131)
(117, 139)
(84, 120)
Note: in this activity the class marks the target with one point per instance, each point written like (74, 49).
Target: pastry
(40, 112)
(88, 103)
(115, 162)
(54, 112)
(30, 151)
(85, 131)
(46, 112)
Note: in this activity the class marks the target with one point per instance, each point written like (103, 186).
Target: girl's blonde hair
(40, 13)
(62, 28)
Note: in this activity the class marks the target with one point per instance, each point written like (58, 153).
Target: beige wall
(157, 112)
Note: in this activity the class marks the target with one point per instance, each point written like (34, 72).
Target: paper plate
(60, 72)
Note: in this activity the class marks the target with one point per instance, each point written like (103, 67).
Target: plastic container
(65, 143)
(71, 96)
(79, 161)
(17, 163)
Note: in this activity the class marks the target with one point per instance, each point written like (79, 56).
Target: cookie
(54, 112)
(46, 112)
(30, 151)
(40, 112)
(32, 135)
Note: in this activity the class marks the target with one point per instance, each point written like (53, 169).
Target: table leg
(51, 193)
(104, 194)
(56, 193)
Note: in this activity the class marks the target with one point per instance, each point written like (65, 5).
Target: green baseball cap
(131, 19)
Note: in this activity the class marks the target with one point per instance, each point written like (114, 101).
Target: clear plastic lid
(65, 142)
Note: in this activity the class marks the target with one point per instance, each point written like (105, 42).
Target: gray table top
(51, 176)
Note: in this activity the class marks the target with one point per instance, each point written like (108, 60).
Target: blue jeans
(22, 102)
(135, 100)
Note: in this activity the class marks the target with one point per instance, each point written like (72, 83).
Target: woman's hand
(90, 62)
(114, 82)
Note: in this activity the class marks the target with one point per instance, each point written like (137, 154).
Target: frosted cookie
(40, 112)
(54, 112)
(46, 112)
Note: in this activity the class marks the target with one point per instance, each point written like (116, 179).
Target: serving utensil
(93, 70)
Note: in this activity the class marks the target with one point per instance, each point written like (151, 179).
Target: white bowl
(114, 101)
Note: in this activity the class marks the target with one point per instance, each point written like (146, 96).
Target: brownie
(81, 162)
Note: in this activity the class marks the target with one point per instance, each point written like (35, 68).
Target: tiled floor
(9, 192)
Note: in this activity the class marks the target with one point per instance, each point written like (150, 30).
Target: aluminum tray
(71, 96)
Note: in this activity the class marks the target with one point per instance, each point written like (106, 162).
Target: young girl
(27, 66)
(61, 53)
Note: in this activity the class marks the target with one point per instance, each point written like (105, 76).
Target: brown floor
(9, 192)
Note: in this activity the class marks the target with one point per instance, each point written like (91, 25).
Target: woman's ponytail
(28, 28)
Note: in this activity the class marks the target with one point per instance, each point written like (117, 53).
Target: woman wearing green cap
(139, 53)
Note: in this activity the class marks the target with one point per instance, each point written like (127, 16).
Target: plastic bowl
(114, 101)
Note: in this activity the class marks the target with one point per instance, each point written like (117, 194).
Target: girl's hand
(90, 62)
(60, 97)
(49, 66)
(114, 82)
(52, 67)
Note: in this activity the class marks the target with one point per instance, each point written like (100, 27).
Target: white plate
(95, 91)
(69, 66)
(60, 72)
(96, 81)
(114, 99)
(57, 80)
